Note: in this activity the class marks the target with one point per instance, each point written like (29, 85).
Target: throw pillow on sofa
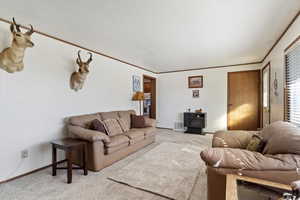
(112, 127)
(125, 125)
(256, 144)
(126, 115)
(137, 121)
(97, 125)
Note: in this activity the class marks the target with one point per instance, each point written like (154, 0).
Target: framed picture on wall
(195, 93)
(195, 81)
(136, 83)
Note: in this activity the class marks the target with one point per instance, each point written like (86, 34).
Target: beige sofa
(104, 150)
(278, 162)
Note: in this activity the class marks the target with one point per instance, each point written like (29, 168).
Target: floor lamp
(139, 96)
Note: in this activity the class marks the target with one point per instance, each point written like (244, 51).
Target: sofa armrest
(150, 122)
(248, 160)
(86, 134)
(232, 139)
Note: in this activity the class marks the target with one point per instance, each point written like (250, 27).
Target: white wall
(276, 58)
(174, 96)
(35, 102)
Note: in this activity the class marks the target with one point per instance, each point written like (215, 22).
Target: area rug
(169, 170)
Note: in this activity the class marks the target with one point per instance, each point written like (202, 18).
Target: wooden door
(243, 100)
(150, 87)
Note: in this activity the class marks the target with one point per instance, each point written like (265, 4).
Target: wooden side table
(69, 145)
(231, 185)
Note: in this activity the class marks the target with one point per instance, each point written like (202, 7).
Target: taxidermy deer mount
(78, 77)
(11, 58)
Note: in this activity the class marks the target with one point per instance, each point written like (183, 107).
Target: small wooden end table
(231, 185)
(69, 145)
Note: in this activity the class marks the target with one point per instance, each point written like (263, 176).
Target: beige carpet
(169, 170)
(96, 186)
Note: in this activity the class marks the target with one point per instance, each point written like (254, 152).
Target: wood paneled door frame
(153, 95)
(254, 77)
(266, 67)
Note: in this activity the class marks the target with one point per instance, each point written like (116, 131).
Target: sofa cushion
(137, 121)
(126, 115)
(110, 150)
(149, 131)
(112, 127)
(83, 121)
(286, 140)
(109, 115)
(117, 141)
(97, 125)
(125, 125)
(136, 140)
(135, 136)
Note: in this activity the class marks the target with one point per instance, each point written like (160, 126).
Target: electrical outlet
(24, 154)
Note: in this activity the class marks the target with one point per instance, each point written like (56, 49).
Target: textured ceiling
(163, 35)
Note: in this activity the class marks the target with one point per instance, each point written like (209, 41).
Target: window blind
(293, 86)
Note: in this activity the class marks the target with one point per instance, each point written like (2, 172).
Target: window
(293, 86)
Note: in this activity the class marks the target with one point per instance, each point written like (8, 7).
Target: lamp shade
(138, 96)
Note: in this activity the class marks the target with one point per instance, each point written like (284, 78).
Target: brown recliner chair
(277, 162)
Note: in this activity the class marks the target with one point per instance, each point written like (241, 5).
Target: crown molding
(281, 36)
(81, 47)
(292, 44)
(162, 72)
(210, 67)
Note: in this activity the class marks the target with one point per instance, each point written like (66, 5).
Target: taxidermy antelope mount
(11, 58)
(78, 78)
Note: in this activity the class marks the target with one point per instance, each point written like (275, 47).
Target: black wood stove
(194, 122)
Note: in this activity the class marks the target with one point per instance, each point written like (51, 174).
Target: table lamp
(138, 96)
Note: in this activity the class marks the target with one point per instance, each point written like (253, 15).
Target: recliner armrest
(248, 160)
(150, 122)
(86, 134)
(232, 139)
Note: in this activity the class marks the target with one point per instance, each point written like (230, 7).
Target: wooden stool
(69, 145)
